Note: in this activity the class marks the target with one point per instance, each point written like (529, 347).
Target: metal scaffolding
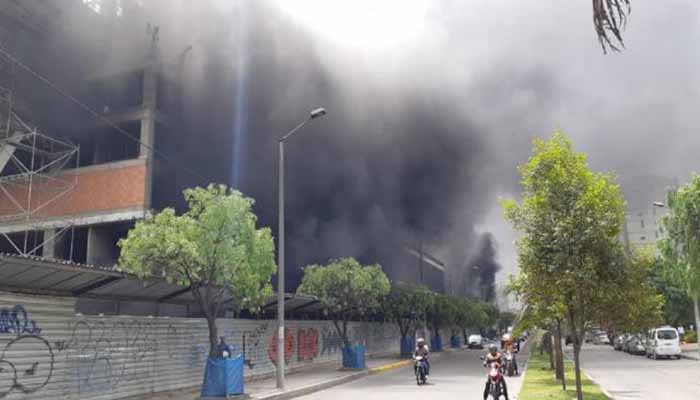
(33, 176)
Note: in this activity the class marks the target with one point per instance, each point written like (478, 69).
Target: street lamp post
(319, 112)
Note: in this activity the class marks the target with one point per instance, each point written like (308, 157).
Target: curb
(389, 367)
(317, 387)
(602, 389)
(689, 357)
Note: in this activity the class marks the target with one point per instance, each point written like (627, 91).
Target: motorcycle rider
(422, 351)
(494, 356)
(509, 347)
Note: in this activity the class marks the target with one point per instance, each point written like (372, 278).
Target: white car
(475, 342)
(601, 339)
(663, 342)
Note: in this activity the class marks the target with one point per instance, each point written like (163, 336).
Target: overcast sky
(519, 69)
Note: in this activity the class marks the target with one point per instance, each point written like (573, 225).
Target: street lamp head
(317, 113)
(659, 204)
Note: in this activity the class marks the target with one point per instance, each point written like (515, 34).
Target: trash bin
(354, 357)
(223, 377)
(455, 342)
(436, 343)
(408, 345)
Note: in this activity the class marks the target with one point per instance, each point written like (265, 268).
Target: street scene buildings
(464, 208)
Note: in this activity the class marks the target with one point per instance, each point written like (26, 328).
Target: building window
(95, 5)
(642, 222)
(642, 238)
(656, 234)
(119, 8)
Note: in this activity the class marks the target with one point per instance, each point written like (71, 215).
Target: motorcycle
(509, 364)
(420, 369)
(495, 382)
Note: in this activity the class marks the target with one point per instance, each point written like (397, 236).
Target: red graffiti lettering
(308, 344)
(288, 347)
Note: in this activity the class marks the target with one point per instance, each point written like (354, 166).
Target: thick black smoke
(419, 141)
(485, 266)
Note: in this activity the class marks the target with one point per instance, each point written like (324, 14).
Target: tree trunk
(697, 321)
(550, 352)
(213, 337)
(577, 368)
(346, 339)
(559, 356)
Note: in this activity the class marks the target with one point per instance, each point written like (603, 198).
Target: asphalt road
(628, 377)
(457, 375)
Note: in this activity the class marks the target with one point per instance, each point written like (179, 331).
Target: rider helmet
(420, 341)
(493, 349)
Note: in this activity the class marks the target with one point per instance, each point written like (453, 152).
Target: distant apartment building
(643, 217)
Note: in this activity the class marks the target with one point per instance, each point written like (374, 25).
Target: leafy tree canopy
(346, 289)
(407, 306)
(212, 248)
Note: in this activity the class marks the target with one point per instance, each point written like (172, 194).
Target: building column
(148, 122)
(50, 247)
(101, 249)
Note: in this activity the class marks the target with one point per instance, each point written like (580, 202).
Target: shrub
(690, 337)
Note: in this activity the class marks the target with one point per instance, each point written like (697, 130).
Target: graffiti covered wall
(48, 351)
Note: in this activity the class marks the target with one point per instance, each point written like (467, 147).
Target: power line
(97, 115)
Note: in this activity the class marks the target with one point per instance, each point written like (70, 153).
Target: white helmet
(420, 340)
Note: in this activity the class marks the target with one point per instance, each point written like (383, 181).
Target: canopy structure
(43, 276)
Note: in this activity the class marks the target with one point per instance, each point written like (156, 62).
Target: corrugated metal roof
(38, 275)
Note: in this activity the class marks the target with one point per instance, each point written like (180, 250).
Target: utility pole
(317, 113)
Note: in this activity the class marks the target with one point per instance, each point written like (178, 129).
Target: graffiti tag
(17, 322)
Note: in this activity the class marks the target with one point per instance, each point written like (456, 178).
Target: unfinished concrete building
(84, 93)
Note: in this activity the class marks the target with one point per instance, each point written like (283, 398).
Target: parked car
(663, 342)
(592, 335)
(601, 338)
(636, 345)
(618, 342)
(475, 342)
(568, 340)
(626, 343)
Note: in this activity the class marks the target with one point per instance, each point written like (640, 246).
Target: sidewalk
(316, 379)
(690, 351)
(304, 382)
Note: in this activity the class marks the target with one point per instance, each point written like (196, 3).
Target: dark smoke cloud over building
(420, 138)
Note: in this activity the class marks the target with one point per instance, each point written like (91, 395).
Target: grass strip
(540, 383)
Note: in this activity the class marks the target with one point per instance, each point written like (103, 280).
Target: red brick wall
(101, 188)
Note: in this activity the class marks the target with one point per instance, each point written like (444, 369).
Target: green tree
(570, 218)
(544, 309)
(442, 314)
(491, 312)
(635, 305)
(406, 306)
(678, 306)
(680, 249)
(346, 290)
(213, 248)
(468, 316)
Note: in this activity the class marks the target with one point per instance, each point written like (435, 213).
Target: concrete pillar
(51, 243)
(149, 104)
(148, 122)
(101, 248)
